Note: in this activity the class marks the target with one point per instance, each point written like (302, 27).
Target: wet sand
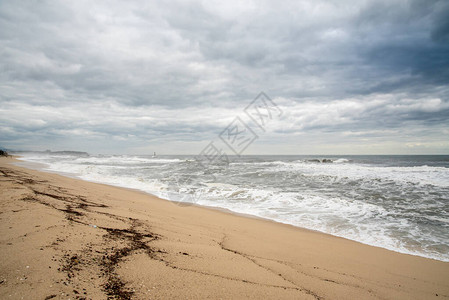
(66, 238)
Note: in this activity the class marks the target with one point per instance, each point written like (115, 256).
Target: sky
(133, 77)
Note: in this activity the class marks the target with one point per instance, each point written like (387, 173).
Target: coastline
(103, 240)
(364, 239)
(40, 168)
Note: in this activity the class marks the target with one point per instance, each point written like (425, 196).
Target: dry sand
(66, 238)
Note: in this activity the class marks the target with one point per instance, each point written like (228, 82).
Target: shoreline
(143, 246)
(41, 168)
(183, 204)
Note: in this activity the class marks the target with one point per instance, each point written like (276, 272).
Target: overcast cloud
(351, 77)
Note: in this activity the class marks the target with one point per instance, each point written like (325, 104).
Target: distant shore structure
(154, 154)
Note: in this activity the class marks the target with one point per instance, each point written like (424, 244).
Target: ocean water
(399, 203)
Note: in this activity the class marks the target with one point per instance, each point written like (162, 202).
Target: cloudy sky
(350, 77)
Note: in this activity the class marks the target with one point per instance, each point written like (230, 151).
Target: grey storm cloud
(76, 73)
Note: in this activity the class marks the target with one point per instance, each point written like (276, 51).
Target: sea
(400, 203)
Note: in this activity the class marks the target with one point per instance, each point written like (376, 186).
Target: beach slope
(67, 238)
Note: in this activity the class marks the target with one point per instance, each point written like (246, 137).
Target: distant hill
(65, 152)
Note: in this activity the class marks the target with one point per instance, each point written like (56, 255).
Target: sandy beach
(66, 238)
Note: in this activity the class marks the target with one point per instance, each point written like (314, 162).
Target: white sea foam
(355, 220)
(341, 160)
(422, 175)
(401, 208)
